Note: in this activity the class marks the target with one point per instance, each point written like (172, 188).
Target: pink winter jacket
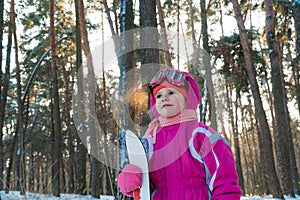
(190, 161)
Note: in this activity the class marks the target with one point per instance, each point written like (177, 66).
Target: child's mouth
(166, 105)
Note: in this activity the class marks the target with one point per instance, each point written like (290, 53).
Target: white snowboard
(137, 156)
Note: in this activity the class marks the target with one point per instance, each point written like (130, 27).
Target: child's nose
(164, 98)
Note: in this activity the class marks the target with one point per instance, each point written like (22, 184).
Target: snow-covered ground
(269, 198)
(15, 195)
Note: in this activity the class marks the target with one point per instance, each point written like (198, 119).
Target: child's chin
(170, 114)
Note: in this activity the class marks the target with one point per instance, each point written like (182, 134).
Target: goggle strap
(175, 75)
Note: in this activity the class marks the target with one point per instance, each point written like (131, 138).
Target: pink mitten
(130, 179)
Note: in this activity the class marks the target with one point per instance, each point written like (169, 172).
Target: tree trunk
(149, 52)
(3, 100)
(56, 148)
(291, 149)
(95, 165)
(237, 149)
(125, 61)
(12, 151)
(164, 38)
(125, 64)
(194, 68)
(292, 139)
(81, 154)
(1, 41)
(32, 171)
(250, 158)
(296, 64)
(278, 87)
(95, 177)
(108, 182)
(113, 32)
(32, 159)
(221, 22)
(296, 16)
(81, 157)
(69, 133)
(115, 2)
(266, 146)
(208, 73)
(258, 178)
(2, 107)
(262, 174)
(234, 126)
(149, 37)
(21, 154)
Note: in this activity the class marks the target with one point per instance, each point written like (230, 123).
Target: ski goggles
(173, 76)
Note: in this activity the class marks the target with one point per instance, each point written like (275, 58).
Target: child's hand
(130, 179)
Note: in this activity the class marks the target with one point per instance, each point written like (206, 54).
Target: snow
(267, 197)
(15, 195)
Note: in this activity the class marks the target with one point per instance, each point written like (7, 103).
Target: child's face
(169, 102)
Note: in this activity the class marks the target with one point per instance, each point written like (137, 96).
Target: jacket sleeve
(223, 178)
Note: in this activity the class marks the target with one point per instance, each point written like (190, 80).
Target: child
(187, 159)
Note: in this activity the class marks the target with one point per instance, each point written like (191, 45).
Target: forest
(74, 77)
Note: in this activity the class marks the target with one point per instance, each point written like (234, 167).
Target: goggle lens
(173, 76)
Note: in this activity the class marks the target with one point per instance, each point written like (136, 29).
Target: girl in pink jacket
(187, 159)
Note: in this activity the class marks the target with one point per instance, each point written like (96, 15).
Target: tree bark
(296, 16)
(81, 154)
(81, 157)
(164, 38)
(125, 61)
(250, 157)
(113, 32)
(2, 112)
(69, 133)
(125, 64)
(296, 72)
(208, 73)
(3, 100)
(21, 154)
(237, 149)
(148, 36)
(56, 146)
(32, 170)
(234, 126)
(266, 146)
(107, 181)
(95, 164)
(2, 107)
(278, 87)
(149, 52)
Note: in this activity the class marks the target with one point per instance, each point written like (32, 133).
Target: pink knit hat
(166, 84)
